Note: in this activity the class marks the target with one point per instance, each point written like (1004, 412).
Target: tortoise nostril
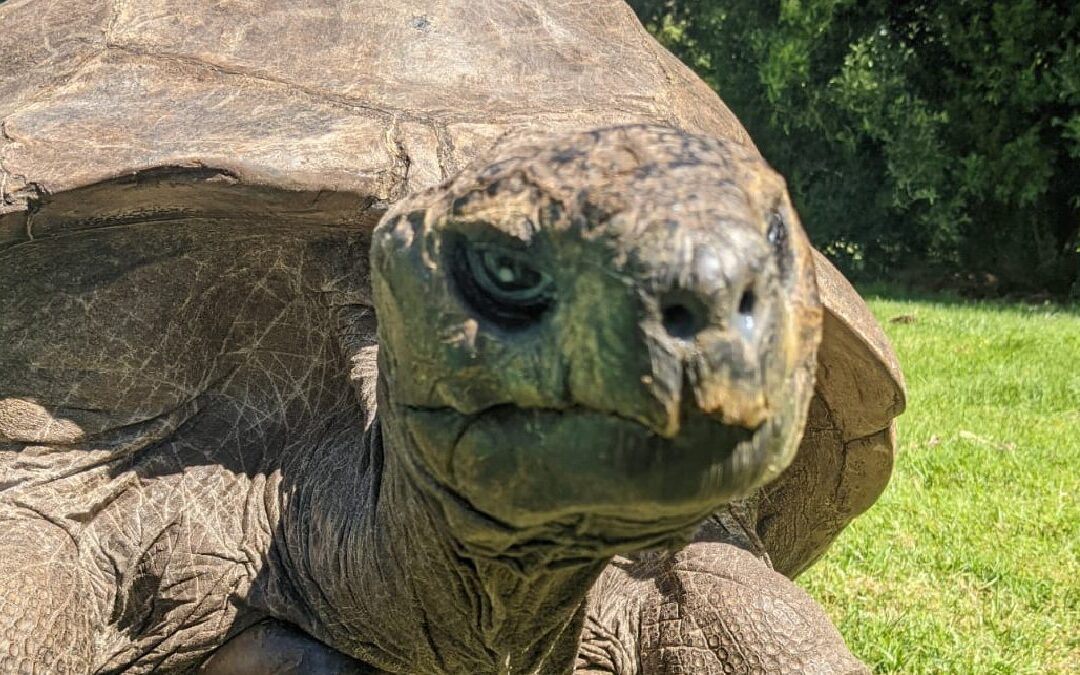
(745, 320)
(683, 317)
(679, 322)
(747, 303)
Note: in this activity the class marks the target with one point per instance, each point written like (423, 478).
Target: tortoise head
(615, 330)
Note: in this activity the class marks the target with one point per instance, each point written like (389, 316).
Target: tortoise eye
(502, 284)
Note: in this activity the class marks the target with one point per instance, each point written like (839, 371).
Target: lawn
(969, 561)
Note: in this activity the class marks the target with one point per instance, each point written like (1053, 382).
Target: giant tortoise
(425, 337)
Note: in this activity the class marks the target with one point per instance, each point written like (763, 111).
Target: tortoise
(533, 431)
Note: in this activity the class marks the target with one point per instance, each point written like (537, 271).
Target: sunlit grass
(969, 561)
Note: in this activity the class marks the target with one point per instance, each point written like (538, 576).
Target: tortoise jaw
(530, 467)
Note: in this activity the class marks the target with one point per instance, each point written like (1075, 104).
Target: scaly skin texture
(183, 464)
(711, 608)
(147, 436)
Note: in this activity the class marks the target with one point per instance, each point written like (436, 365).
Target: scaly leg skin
(46, 603)
(711, 608)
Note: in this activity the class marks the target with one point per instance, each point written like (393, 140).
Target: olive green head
(619, 325)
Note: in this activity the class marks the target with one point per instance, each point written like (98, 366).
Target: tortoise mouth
(526, 467)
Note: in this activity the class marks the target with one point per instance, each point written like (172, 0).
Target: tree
(912, 133)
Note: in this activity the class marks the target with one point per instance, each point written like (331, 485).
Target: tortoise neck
(378, 564)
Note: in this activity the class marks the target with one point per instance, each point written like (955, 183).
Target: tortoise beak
(735, 400)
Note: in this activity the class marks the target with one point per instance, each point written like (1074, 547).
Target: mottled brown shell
(330, 110)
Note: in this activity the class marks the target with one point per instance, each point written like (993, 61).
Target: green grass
(969, 561)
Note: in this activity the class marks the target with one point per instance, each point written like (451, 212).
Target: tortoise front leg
(48, 612)
(711, 608)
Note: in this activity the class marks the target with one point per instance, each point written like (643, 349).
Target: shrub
(914, 134)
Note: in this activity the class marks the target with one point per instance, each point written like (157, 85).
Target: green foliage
(912, 133)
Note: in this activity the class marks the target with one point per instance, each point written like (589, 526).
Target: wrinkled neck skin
(372, 563)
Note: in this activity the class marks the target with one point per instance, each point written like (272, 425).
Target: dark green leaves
(913, 134)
